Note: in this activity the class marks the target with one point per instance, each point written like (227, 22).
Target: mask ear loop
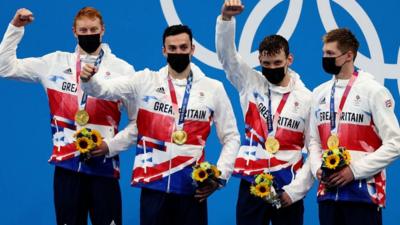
(286, 68)
(340, 56)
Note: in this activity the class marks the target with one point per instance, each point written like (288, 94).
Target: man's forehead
(264, 56)
(178, 39)
(84, 21)
(330, 46)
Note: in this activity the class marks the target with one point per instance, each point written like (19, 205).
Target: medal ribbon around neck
(82, 117)
(268, 128)
(180, 115)
(333, 140)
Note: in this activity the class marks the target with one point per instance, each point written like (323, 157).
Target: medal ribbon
(338, 115)
(180, 115)
(82, 96)
(273, 123)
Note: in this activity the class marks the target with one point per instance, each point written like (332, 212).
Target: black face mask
(89, 43)
(274, 76)
(329, 65)
(178, 62)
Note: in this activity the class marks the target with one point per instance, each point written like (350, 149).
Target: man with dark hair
(355, 112)
(274, 44)
(81, 187)
(275, 105)
(177, 29)
(176, 108)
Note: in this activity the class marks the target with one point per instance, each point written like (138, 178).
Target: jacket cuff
(111, 150)
(292, 196)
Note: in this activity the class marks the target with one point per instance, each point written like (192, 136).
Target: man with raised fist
(275, 106)
(81, 186)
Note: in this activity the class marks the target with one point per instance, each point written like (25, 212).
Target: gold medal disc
(179, 137)
(82, 117)
(333, 142)
(272, 145)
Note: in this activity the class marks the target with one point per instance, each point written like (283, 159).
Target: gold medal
(333, 142)
(179, 137)
(272, 145)
(82, 117)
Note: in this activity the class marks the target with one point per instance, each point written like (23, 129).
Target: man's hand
(205, 191)
(100, 150)
(340, 178)
(22, 17)
(285, 200)
(319, 174)
(87, 72)
(231, 8)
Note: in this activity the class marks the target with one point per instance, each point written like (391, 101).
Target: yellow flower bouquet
(263, 187)
(86, 141)
(205, 172)
(334, 160)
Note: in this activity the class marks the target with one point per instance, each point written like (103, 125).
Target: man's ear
(74, 32)
(350, 56)
(193, 48)
(290, 59)
(164, 52)
(103, 30)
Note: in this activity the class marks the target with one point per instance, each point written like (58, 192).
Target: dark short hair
(177, 29)
(273, 44)
(346, 41)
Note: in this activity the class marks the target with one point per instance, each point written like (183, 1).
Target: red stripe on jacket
(159, 126)
(157, 170)
(101, 112)
(288, 139)
(258, 167)
(66, 152)
(352, 136)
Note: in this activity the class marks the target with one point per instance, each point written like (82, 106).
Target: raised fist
(22, 17)
(231, 8)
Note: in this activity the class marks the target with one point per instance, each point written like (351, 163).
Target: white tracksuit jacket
(368, 129)
(160, 164)
(57, 73)
(292, 125)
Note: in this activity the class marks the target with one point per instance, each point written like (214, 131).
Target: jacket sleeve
(237, 71)
(127, 136)
(301, 184)
(314, 142)
(122, 87)
(303, 181)
(387, 126)
(27, 69)
(227, 132)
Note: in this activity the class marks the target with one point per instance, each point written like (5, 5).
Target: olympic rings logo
(374, 64)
